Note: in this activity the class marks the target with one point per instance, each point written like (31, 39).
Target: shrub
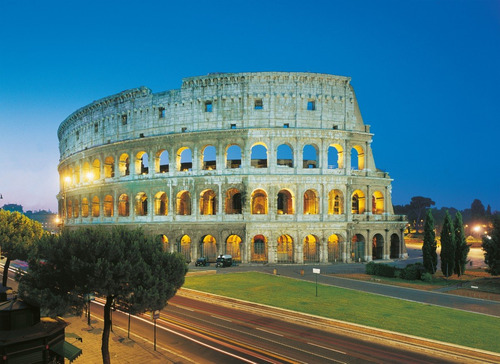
(379, 269)
(412, 272)
(426, 277)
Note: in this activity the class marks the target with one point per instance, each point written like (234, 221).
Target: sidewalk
(121, 349)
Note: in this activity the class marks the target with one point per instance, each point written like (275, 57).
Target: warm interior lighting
(90, 176)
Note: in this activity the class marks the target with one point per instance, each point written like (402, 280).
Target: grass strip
(423, 320)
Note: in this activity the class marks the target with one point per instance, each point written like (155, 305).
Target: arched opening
(233, 156)
(76, 209)
(184, 159)
(96, 170)
(285, 203)
(335, 156)
(208, 203)
(141, 163)
(141, 204)
(335, 202)
(233, 202)
(123, 205)
(87, 173)
(357, 157)
(259, 249)
(358, 248)
(284, 249)
(108, 206)
(162, 158)
(258, 157)
(233, 247)
(183, 203)
(310, 156)
(69, 208)
(208, 248)
(95, 207)
(284, 155)
(394, 246)
(85, 207)
(259, 202)
(161, 204)
(377, 203)
(165, 243)
(209, 161)
(311, 249)
(124, 165)
(109, 167)
(334, 248)
(185, 248)
(378, 247)
(358, 202)
(311, 203)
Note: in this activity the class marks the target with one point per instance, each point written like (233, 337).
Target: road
(204, 332)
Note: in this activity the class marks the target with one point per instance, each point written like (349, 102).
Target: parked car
(224, 261)
(201, 262)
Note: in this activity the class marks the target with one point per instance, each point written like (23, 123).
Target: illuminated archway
(96, 170)
(358, 202)
(183, 203)
(141, 204)
(185, 248)
(108, 206)
(377, 203)
(233, 202)
(259, 249)
(141, 163)
(335, 202)
(161, 204)
(334, 248)
(285, 203)
(233, 247)
(311, 203)
(377, 247)
(85, 207)
(259, 202)
(208, 248)
(124, 165)
(284, 249)
(123, 205)
(109, 167)
(311, 249)
(95, 207)
(208, 203)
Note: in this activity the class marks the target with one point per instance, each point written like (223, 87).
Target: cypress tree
(447, 246)
(491, 247)
(429, 246)
(462, 249)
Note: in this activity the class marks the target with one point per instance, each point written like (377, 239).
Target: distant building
(269, 167)
(48, 219)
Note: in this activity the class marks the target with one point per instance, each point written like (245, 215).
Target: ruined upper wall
(215, 102)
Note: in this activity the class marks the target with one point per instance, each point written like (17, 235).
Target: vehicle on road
(201, 262)
(224, 261)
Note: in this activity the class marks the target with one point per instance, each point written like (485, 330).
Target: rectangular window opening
(286, 125)
(208, 106)
(335, 127)
(311, 105)
(233, 126)
(124, 119)
(258, 104)
(96, 128)
(184, 129)
(161, 112)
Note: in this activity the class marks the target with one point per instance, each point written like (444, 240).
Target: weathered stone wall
(115, 150)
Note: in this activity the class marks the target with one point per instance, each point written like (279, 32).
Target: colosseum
(269, 167)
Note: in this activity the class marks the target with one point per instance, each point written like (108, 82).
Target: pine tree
(491, 247)
(462, 249)
(429, 246)
(447, 246)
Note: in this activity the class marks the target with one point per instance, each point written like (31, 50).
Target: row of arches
(140, 164)
(285, 249)
(208, 203)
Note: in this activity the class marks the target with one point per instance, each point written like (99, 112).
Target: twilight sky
(426, 74)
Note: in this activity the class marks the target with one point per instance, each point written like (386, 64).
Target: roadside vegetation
(432, 322)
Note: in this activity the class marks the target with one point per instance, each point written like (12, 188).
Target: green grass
(438, 323)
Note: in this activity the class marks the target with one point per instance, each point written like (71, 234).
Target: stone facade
(270, 167)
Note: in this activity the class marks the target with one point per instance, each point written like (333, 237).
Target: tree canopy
(17, 235)
(447, 246)
(124, 266)
(491, 247)
(429, 245)
(461, 246)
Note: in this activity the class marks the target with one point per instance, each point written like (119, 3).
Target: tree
(123, 266)
(429, 246)
(447, 246)
(477, 210)
(17, 234)
(491, 247)
(416, 210)
(461, 246)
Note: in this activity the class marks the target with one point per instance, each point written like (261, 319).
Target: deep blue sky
(426, 74)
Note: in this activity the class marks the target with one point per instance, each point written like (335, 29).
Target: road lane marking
(221, 318)
(269, 331)
(326, 348)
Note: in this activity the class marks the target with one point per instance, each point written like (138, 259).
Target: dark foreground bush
(412, 272)
(379, 269)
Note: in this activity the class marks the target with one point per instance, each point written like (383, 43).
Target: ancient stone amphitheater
(269, 167)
